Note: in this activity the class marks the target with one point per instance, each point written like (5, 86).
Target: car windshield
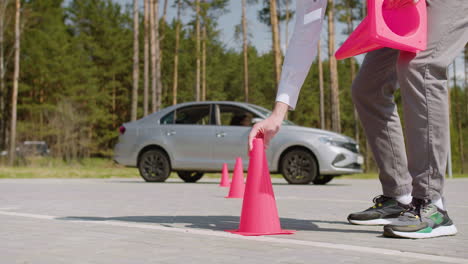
(265, 112)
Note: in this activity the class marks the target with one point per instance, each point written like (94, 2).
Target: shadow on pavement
(217, 183)
(220, 223)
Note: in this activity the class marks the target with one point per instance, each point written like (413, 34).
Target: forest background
(72, 72)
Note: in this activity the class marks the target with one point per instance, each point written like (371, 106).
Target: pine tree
(320, 77)
(136, 63)
(176, 53)
(5, 18)
(146, 57)
(335, 101)
(275, 41)
(12, 153)
(245, 50)
(197, 51)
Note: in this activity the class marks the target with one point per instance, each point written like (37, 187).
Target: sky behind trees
(262, 37)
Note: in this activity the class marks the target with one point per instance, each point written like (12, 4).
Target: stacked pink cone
(397, 28)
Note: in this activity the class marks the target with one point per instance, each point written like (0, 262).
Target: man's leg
(372, 93)
(423, 83)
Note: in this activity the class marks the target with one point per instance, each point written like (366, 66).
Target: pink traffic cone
(259, 213)
(224, 177)
(237, 185)
(398, 28)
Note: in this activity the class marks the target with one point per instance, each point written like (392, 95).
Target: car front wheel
(190, 176)
(154, 166)
(298, 166)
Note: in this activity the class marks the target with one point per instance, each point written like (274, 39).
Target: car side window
(167, 119)
(193, 115)
(235, 116)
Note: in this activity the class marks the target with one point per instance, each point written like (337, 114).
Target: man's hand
(269, 127)
(393, 4)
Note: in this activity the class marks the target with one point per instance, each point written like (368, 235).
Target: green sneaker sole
(425, 233)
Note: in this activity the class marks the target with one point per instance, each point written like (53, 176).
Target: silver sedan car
(198, 137)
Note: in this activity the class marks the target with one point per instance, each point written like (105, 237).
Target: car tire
(190, 176)
(323, 179)
(154, 166)
(299, 166)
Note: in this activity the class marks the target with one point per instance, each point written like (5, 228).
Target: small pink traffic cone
(237, 185)
(224, 177)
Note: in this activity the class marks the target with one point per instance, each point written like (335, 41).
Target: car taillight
(122, 130)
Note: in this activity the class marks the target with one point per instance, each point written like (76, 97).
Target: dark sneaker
(385, 211)
(423, 220)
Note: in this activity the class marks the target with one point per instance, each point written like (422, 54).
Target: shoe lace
(416, 207)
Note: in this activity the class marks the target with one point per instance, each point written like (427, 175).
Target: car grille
(355, 166)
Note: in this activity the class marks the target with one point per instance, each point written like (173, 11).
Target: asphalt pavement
(129, 221)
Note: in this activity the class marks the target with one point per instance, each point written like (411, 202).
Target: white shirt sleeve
(302, 50)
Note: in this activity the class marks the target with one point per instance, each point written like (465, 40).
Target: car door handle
(170, 133)
(220, 134)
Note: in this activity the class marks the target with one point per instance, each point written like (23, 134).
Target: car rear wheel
(154, 166)
(190, 176)
(323, 179)
(299, 166)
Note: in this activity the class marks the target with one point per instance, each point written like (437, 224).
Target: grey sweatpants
(420, 167)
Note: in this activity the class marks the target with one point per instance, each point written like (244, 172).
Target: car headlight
(353, 147)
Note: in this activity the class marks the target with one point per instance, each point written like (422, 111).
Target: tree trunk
(275, 39)
(14, 97)
(335, 93)
(457, 101)
(162, 34)
(288, 17)
(460, 138)
(204, 62)
(245, 50)
(320, 75)
(197, 32)
(356, 116)
(368, 166)
(153, 55)
(146, 59)
(158, 57)
(466, 81)
(465, 90)
(176, 55)
(136, 63)
(349, 22)
(164, 11)
(114, 102)
(3, 118)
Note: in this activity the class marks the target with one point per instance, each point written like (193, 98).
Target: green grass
(105, 168)
(56, 168)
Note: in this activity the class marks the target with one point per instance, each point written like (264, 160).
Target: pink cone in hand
(237, 185)
(397, 28)
(259, 213)
(224, 177)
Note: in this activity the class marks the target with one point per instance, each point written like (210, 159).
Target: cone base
(239, 197)
(280, 232)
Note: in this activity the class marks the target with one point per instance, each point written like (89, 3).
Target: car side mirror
(257, 120)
